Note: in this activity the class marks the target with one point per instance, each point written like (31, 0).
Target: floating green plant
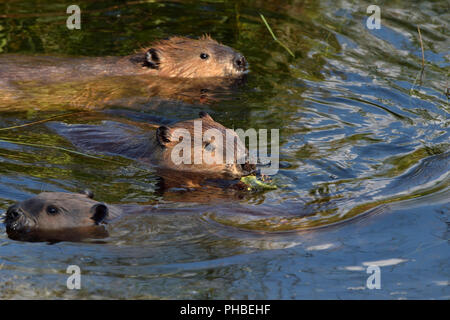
(274, 37)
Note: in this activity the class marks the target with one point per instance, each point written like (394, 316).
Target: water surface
(362, 138)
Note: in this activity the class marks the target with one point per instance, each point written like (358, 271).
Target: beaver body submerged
(159, 150)
(56, 216)
(47, 82)
(176, 57)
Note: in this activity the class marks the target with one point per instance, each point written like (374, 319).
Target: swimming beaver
(49, 81)
(187, 58)
(177, 57)
(163, 148)
(52, 216)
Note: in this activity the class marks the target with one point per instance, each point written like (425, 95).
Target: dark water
(360, 136)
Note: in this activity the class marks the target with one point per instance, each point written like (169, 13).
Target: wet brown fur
(72, 211)
(47, 82)
(167, 139)
(179, 57)
(156, 146)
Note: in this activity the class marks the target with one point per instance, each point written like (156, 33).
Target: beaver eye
(52, 210)
(204, 56)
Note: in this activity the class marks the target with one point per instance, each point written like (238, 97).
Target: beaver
(48, 81)
(57, 216)
(164, 149)
(187, 58)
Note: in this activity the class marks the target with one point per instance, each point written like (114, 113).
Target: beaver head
(190, 58)
(201, 146)
(56, 211)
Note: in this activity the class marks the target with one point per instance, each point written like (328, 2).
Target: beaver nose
(12, 213)
(240, 63)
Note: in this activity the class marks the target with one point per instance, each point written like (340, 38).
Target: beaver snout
(240, 63)
(248, 168)
(12, 214)
(14, 218)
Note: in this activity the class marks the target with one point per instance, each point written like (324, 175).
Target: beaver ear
(99, 213)
(151, 59)
(88, 193)
(205, 115)
(163, 135)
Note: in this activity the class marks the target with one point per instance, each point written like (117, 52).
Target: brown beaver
(163, 148)
(56, 216)
(177, 57)
(47, 82)
(187, 58)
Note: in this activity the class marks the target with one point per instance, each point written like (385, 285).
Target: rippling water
(362, 138)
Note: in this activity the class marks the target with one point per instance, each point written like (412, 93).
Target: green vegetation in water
(422, 69)
(38, 145)
(254, 183)
(42, 121)
(274, 37)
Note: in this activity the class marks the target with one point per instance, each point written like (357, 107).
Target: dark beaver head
(203, 146)
(189, 58)
(50, 211)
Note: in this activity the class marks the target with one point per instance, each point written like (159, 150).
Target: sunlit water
(362, 139)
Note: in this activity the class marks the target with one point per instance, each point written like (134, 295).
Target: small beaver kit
(94, 82)
(188, 58)
(174, 147)
(178, 57)
(58, 216)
